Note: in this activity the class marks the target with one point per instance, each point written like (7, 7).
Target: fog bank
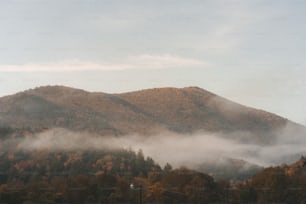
(179, 150)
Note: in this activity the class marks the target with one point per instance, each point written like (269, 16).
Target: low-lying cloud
(179, 150)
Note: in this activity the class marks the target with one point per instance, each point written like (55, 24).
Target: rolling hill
(62, 112)
(145, 112)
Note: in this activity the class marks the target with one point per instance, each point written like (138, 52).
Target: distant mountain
(145, 112)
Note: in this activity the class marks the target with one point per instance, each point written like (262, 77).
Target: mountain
(75, 148)
(145, 112)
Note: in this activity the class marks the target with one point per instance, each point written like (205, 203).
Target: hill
(145, 112)
(58, 143)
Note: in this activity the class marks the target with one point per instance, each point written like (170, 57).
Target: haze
(179, 150)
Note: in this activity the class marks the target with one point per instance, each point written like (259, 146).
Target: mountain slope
(144, 112)
(192, 108)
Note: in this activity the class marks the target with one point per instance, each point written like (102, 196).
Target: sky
(249, 51)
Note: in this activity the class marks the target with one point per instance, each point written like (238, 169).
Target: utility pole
(139, 188)
(140, 194)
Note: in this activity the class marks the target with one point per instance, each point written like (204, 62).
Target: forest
(125, 176)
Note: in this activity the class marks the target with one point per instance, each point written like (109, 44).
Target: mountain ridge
(144, 112)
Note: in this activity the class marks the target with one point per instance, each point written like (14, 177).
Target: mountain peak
(53, 89)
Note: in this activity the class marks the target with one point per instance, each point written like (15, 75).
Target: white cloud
(135, 62)
(164, 61)
(230, 31)
(73, 65)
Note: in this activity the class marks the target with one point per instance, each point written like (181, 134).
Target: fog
(179, 150)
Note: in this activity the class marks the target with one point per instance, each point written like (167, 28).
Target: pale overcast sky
(250, 51)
